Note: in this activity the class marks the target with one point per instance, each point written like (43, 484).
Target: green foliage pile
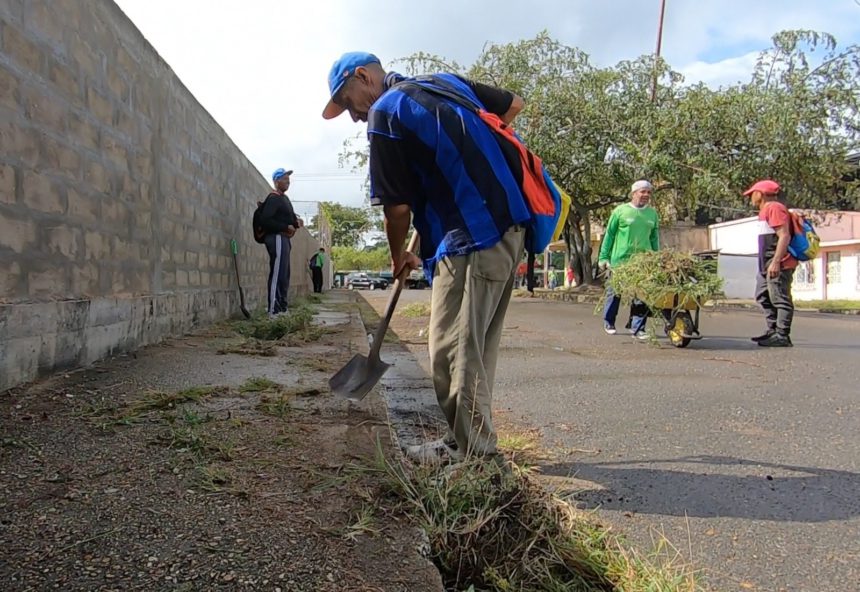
(656, 276)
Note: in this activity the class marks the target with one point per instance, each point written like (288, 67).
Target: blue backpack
(805, 242)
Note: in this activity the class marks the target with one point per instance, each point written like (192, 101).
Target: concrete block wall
(119, 194)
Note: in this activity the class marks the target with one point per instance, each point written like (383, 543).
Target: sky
(260, 66)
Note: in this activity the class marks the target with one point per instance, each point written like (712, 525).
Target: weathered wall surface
(119, 194)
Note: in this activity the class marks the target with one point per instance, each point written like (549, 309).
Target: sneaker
(641, 336)
(764, 336)
(609, 329)
(437, 452)
(776, 340)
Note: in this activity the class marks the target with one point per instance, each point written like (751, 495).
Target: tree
(598, 130)
(796, 121)
(347, 223)
(350, 258)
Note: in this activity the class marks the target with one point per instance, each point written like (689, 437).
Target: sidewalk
(184, 469)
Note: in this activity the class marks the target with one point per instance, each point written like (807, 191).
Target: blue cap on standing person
(341, 70)
(281, 173)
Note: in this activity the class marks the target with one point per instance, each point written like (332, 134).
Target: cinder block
(43, 23)
(44, 108)
(96, 246)
(194, 277)
(20, 143)
(60, 159)
(41, 194)
(17, 234)
(82, 133)
(82, 207)
(181, 278)
(65, 81)
(115, 214)
(8, 89)
(85, 280)
(7, 184)
(117, 86)
(50, 283)
(100, 106)
(114, 151)
(11, 283)
(21, 50)
(97, 176)
(63, 240)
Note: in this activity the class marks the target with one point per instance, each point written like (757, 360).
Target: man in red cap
(775, 264)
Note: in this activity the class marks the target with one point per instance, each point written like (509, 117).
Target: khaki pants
(469, 301)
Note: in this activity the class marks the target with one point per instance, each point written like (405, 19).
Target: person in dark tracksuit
(316, 263)
(280, 223)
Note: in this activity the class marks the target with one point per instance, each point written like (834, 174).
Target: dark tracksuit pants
(774, 297)
(317, 276)
(278, 247)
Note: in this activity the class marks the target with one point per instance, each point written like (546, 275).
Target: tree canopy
(597, 129)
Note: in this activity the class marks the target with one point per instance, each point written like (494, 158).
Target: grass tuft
(297, 324)
(258, 385)
(493, 527)
(416, 310)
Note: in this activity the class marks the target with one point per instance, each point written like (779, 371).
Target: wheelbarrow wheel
(678, 327)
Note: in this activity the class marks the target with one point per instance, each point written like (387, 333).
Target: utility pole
(657, 53)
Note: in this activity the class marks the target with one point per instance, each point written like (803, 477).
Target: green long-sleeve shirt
(630, 230)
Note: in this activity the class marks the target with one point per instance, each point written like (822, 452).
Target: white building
(833, 275)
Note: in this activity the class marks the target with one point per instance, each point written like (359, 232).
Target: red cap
(766, 186)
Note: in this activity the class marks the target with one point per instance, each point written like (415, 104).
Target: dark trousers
(638, 311)
(317, 275)
(278, 247)
(774, 296)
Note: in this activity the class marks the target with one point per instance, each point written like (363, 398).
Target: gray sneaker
(437, 452)
(609, 329)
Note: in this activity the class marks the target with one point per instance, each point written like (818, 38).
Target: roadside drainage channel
(406, 392)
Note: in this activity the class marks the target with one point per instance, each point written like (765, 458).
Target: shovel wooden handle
(379, 336)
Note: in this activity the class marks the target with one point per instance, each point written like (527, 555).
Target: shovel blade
(357, 378)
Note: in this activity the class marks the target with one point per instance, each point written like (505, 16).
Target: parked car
(362, 281)
(417, 280)
(388, 276)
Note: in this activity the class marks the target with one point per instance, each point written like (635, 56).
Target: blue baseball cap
(281, 173)
(340, 72)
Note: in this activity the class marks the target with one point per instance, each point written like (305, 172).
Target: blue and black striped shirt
(461, 180)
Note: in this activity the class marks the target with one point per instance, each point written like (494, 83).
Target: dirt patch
(184, 469)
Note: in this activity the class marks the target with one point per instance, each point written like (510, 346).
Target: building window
(834, 267)
(805, 275)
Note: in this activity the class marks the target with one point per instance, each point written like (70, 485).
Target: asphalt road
(746, 458)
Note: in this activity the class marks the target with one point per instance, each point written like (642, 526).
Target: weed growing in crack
(258, 385)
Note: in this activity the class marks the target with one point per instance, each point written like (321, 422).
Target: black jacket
(277, 214)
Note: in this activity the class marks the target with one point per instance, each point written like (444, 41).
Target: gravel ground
(232, 491)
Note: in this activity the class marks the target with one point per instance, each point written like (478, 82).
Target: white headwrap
(641, 185)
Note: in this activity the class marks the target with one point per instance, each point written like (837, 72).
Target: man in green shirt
(633, 227)
(316, 263)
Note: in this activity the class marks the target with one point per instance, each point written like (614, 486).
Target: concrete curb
(407, 393)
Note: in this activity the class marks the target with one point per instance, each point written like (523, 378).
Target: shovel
(361, 374)
(235, 249)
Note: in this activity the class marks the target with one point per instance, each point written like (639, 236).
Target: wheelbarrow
(680, 318)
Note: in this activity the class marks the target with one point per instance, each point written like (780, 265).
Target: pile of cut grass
(655, 277)
(493, 527)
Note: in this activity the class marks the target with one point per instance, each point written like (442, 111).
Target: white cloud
(723, 73)
(261, 69)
